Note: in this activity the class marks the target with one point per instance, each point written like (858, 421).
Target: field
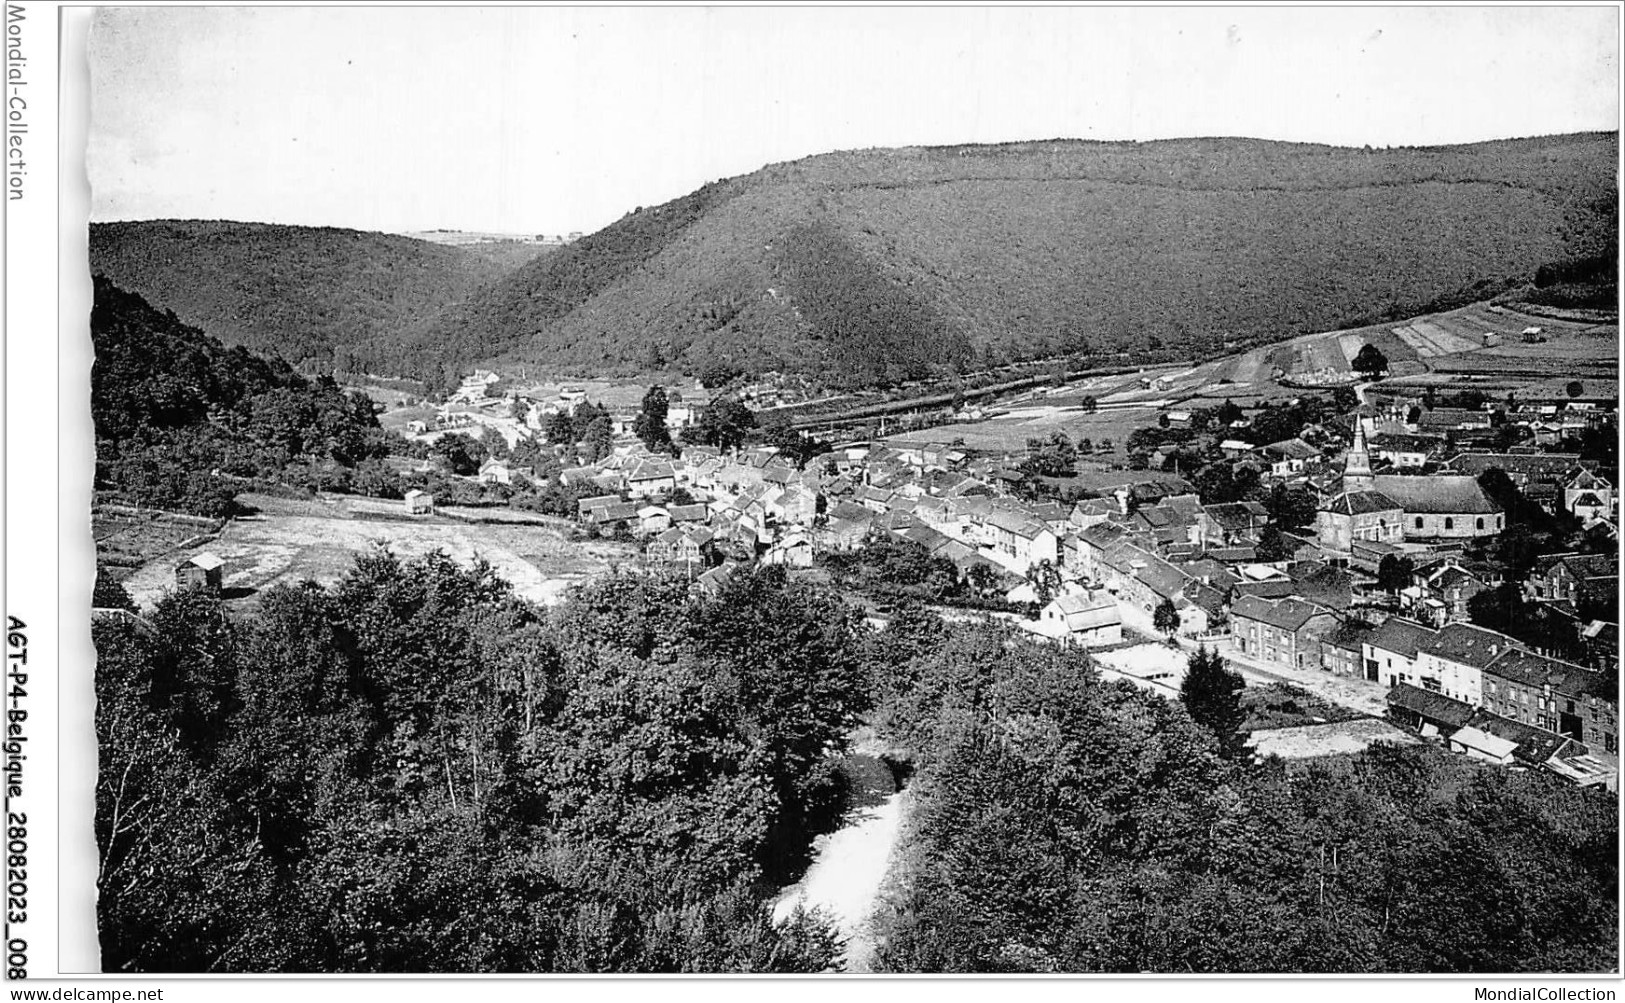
(127, 538)
(1010, 432)
(1342, 737)
(1441, 349)
(289, 541)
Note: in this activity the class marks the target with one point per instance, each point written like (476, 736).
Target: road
(850, 863)
(1346, 691)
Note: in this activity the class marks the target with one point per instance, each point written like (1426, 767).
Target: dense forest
(414, 770)
(177, 414)
(871, 266)
(417, 771)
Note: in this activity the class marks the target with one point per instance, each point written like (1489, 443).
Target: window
(1609, 741)
(1449, 523)
(1418, 522)
(1480, 522)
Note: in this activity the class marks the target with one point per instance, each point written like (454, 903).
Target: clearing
(290, 540)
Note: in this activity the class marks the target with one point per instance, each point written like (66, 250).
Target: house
(1522, 469)
(1575, 580)
(1451, 419)
(793, 550)
(1020, 538)
(1449, 589)
(419, 502)
(647, 477)
(1453, 660)
(1588, 496)
(1285, 632)
(1289, 457)
(495, 471)
(587, 508)
(846, 527)
(1601, 641)
(1391, 651)
(204, 571)
(1552, 695)
(1341, 649)
(714, 581)
(1407, 452)
(1234, 448)
(1232, 522)
(653, 519)
(1083, 621)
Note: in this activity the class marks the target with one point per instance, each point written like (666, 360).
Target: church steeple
(1357, 465)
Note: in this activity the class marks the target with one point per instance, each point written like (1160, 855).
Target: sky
(551, 120)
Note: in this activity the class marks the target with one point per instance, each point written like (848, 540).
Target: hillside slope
(317, 296)
(875, 265)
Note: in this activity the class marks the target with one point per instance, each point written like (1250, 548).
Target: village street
(1346, 691)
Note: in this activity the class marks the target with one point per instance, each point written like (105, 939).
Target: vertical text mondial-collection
(16, 103)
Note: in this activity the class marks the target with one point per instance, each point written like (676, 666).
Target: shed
(1480, 745)
(419, 502)
(203, 570)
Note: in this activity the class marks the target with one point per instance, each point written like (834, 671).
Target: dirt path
(850, 863)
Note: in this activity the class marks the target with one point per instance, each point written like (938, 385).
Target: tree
(1272, 545)
(1574, 388)
(1344, 399)
(1370, 362)
(109, 594)
(1211, 693)
(725, 421)
(463, 453)
(1054, 457)
(519, 409)
(559, 428)
(1166, 618)
(1088, 404)
(1046, 580)
(1290, 507)
(650, 424)
(719, 374)
(1394, 573)
(599, 440)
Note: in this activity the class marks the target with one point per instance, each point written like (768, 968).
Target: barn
(203, 570)
(419, 503)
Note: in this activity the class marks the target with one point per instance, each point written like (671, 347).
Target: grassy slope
(300, 292)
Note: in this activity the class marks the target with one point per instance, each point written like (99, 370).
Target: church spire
(1357, 465)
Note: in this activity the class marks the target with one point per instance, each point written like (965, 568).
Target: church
(1360, 511)
(1390, 508)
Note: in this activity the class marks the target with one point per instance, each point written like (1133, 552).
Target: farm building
(203, 570)
(419, 502)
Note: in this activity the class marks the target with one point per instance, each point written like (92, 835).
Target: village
(1368, 605)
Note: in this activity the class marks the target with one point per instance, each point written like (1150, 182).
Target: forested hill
(177, 413)
(878, 265)
(315, 296)
(884, 263)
